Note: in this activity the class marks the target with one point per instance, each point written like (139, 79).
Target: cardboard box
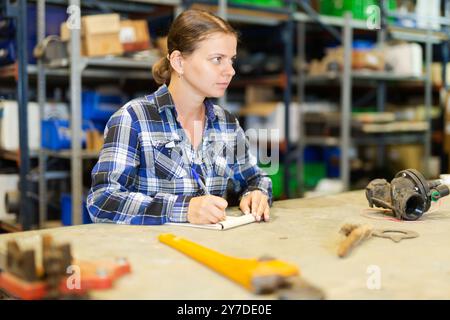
(134, 35)
(99, 35)
(94, 140)
(405, 59)
(406, 156)
(255, 93)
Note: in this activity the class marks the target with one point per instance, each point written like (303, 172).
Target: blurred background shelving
(345, 123)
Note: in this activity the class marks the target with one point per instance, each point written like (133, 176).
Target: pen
(199, 181)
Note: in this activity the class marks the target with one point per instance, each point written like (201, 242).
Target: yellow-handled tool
(265, 275)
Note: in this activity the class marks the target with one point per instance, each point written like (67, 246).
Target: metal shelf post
(346, 101)
(41, 89)
(288, 34)
(428, 102)
(25, 215)
(301, 33)
(75, 119)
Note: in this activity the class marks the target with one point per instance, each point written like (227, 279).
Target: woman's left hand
(256, 203)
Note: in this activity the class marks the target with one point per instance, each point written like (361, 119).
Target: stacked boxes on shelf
(134, 35)
(106, 34)
(100, 35)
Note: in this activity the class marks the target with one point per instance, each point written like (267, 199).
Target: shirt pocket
(221, 155)
(168, 160)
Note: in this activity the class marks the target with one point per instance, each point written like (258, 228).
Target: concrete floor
(304, 232)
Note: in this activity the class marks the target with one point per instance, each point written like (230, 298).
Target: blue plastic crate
(99, 125)
(313, 154)
(100, 107)
(332, 158)
(56, 134)
(66, 210)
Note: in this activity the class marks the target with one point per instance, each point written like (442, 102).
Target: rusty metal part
(56, 260)
(355, 234)
(23, 280)
(19, 262)
(261, 276)
(409, 194)
(299, 289)
(395, 235)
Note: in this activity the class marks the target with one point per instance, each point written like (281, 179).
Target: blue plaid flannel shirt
(143, 175)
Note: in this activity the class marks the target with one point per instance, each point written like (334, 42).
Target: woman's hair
(186, 31)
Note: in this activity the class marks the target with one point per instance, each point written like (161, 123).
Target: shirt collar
(164, 100)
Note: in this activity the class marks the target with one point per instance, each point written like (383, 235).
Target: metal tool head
(287, 288)
(299, 289)
(395, 235)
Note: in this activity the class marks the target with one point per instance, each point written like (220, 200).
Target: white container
(427, 12)
(445, 178)
(406, 59)
(8, 182)
(270, 116)
(9, 123)
(9, 126)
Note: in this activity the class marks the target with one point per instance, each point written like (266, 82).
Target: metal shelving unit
(17, 10)
(64, 73)
(118, 67)
(364, 75)
(81, 68)
(78, 69)
(345, 79)
(243, 13)
(397, 138)
(66, 154)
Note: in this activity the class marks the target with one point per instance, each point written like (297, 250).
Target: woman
(168, 156)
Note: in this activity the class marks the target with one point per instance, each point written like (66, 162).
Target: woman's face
(209, 69)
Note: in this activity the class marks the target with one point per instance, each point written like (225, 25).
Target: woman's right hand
(206, 209)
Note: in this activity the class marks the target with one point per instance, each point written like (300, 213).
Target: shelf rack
(346, 78)
(80, 68)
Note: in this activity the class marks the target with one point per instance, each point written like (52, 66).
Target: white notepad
(230, 222)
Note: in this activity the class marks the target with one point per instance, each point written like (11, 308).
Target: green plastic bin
(357, 7)
(260, 3)
(313, 172)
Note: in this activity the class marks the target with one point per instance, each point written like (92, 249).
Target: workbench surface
(301, 231)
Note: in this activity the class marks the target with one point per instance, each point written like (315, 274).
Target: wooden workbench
(302, 231)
